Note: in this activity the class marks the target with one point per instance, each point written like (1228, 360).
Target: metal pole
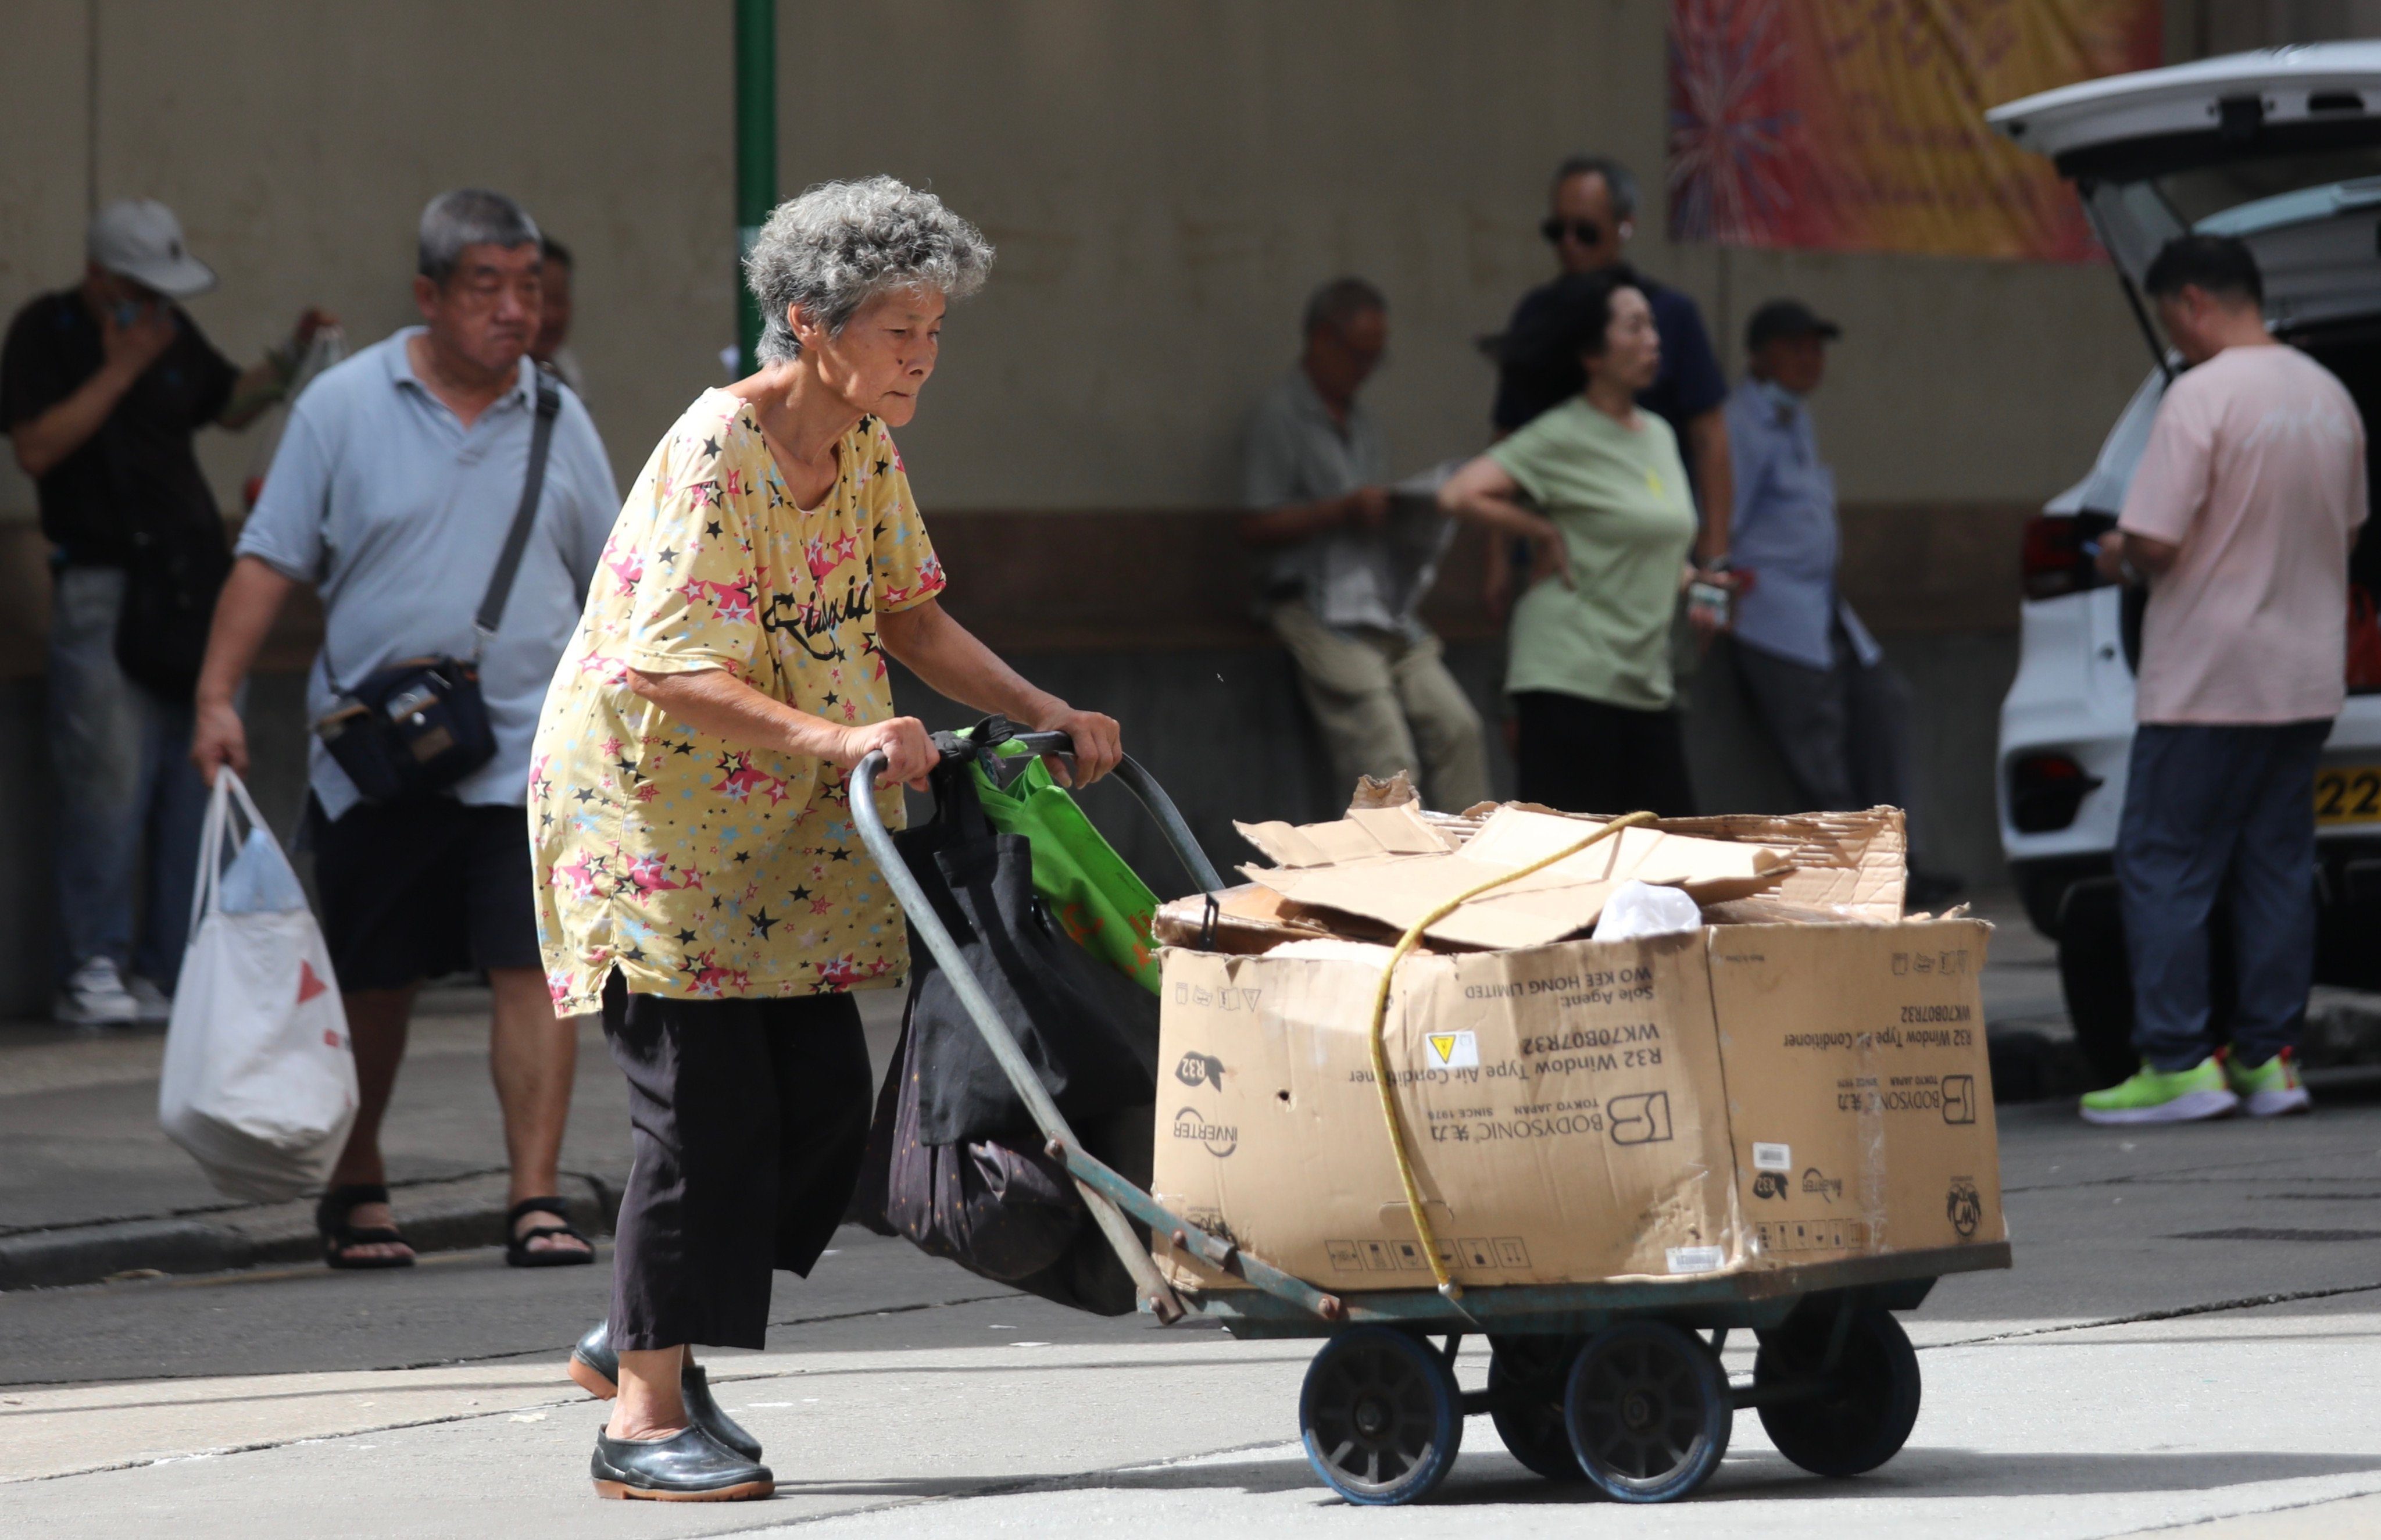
(756, 153)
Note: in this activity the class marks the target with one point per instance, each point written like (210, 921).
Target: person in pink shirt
(2240, 519)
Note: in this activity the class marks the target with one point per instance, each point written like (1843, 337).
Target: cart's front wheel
(1525, 1400)
(1648, 1412)
(1381, 1416)
(1871, 1401)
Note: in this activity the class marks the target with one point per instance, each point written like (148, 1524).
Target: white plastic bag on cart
(1645, 909)
(259, 1081)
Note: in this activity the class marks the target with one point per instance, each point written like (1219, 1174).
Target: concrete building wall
(1164, 183)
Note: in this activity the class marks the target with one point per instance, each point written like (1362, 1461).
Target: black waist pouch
(415, 726)
(411, 729)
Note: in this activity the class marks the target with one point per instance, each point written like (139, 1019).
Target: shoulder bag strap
(500, 585)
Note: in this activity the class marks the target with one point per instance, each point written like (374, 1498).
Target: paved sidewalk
(2192, 1333)
(90, 1189)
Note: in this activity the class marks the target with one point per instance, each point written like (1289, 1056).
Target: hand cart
(1611, 1383)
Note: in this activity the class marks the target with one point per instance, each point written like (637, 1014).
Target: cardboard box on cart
(1805, 1083)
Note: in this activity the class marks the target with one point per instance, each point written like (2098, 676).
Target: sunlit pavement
(2124, 1376)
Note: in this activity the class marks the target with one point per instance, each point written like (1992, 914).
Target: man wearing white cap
(102, 387)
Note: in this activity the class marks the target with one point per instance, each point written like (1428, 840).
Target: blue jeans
(2219, 812)
(130, 804)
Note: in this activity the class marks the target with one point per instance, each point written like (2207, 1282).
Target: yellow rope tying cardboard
(1405, 943)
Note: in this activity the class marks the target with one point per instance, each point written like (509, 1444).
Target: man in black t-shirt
(102, 386)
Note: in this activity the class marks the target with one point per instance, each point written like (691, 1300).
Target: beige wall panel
(44, 129)
(300, 142)
(1164, 183)
(1956, 380)
(1167, 183)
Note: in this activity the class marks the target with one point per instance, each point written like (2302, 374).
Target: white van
(2283, 149)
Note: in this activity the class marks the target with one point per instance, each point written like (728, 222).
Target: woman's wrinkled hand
(1099, 744)
(908, 753)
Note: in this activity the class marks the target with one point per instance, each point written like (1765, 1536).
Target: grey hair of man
(841, 244)
(1618, 181)
(1340, 301)
(468, 216)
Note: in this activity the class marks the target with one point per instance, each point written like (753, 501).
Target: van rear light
(2046, 791)
(2057, 552)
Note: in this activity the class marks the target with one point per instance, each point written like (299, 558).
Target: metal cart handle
(1104, 1193)
(1155, 1297)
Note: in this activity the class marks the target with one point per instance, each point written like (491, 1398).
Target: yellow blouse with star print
(697, 868)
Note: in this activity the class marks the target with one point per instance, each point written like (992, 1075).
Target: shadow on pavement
(1491, 1476)
(1949, 1472)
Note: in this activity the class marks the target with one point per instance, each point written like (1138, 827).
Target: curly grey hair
(841, 244)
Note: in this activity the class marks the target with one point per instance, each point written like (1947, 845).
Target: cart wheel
(1872, 1399)
(1648, 1412)
(1525, 1402)
(1381, 1416)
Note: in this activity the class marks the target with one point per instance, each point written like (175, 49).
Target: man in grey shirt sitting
(393, 491)
(1342, 564)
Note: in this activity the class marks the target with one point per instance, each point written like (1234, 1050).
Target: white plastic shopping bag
(259, 1082)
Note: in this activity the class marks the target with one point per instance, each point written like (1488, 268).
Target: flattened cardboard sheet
(1351, 866)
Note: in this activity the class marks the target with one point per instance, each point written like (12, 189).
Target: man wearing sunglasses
(1591, 215)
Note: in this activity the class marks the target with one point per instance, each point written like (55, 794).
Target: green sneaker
(2272, 1089)
(2156, 1096)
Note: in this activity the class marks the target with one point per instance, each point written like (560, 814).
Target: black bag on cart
(954, 1161)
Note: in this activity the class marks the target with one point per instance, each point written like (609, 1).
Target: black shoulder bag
(420, 725)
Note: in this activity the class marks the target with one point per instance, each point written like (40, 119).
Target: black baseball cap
(1787, 318)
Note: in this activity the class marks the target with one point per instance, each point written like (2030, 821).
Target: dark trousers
(1843, 729)
(1584, 756)
(2219, 812)
(749, 1117)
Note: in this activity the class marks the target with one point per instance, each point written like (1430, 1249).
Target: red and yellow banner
(1859, 125)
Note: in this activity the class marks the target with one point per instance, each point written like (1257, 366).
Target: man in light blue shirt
(1838, 714)
(393, 491)
(1342, 562)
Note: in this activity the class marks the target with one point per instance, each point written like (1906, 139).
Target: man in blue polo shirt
(1820, 683)
(392, 493)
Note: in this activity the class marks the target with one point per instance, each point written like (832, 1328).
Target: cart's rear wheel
(1648, 1412)
(1525, 1400)
(1381, 1416)
(1871, 1402)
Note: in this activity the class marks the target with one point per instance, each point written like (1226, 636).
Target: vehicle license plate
(2348, 794)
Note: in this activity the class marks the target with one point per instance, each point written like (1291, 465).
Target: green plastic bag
(1099, 901)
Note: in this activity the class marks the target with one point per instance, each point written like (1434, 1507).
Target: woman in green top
(1596, 488)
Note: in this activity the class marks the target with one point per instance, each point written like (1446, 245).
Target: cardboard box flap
(1364, 833)
(1399, 888)
(1857, 862)
(1246, 919)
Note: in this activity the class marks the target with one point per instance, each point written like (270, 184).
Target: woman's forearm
(1504, 516)
(955, 664)
(713, 701)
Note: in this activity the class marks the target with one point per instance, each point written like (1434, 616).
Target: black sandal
(517, 1247)
(338, 1236)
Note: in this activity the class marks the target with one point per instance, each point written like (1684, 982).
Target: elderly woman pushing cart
(699, 882)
